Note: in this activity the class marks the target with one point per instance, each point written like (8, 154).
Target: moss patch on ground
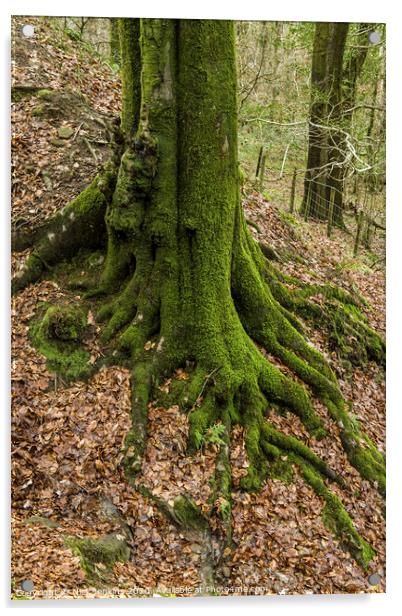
(57, 333)
(98, 556)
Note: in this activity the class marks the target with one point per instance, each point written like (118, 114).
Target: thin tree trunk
(114, 41)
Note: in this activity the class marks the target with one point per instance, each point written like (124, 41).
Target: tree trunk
(114, 41)
(183, 272)
(325, 154)
(317, 135)
(351, 74)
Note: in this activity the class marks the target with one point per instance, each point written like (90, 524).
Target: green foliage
(74, 35)
(289, 219)
(214, 434)
(188, 515)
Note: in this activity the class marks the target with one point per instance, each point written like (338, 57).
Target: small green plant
(224, 508)
(214, 434)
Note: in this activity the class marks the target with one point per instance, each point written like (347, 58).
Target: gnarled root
(81, 224)
(168, 313)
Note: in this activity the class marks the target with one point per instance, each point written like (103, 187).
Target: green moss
(188, 515)
(252, 482)
(290, 445)
(281, 469)
(337, 519)
(129, 38)
(57, 335)
(133, 449)
(342, 319)
(20, 92)
(97, 556)
(37, 111)
(200, 419)
(81, 224)
(282, 390)
(45, 94)
(64, 322)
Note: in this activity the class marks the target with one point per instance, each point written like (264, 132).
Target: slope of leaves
(70, 90)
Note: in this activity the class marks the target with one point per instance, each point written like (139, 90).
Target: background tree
(326, 151)
(114, 41)
(185, 284)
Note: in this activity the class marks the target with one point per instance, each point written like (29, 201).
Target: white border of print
(294, 10)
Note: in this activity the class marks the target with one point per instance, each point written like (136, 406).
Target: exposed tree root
(80, 224)
(194, 526)
(163, 311)
(231, 382)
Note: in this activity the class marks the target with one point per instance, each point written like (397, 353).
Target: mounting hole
(374, 579)
(27, 585)
(374, 37)
(28, 30)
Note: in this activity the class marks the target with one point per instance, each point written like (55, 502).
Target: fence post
(307, 208)
(358, 232)
(331, 211)
(292, 192)
(262, 170)
(257, 171)
(367, 232)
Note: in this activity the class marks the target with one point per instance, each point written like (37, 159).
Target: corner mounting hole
(28, 30)
(374, 579)
(374, 37)
(27, 585)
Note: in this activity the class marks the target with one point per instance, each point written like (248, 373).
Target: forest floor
(67, 441)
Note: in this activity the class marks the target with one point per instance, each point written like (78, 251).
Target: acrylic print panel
(198, 312)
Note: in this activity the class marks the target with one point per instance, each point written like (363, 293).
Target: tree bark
(351, 74)
(114, 41)
(325, 153)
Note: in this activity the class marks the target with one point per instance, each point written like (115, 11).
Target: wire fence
(322, 200)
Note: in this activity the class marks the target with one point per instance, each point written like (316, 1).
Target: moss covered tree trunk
(114, 41)
(183, 271)
(353, 67)
(326, 157)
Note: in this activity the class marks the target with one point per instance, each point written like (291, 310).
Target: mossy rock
(45, 94)
(65, 132)
(58, 336)
(39, 110)
(42, 521)
(64, 323)
(57, 143)
(98, 556)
